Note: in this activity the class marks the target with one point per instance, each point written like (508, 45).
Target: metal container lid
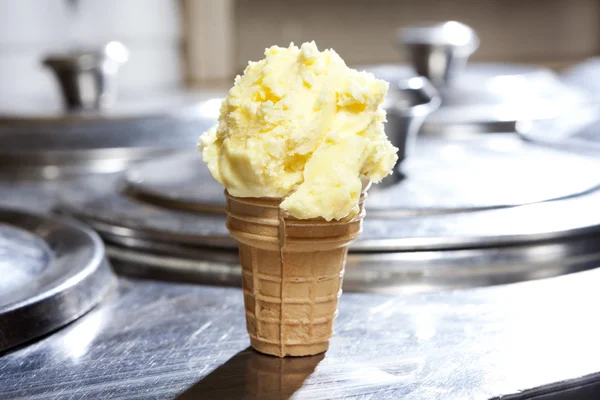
(441, 177)
(53, 271)
(157, 206)
(414, 253)
(40, 139)
(44, 112)
(479, 97)
(89, 131)
(585, 77)
(456, 216)
(578, 130)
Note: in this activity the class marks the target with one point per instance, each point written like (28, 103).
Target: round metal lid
(584, 76)
(389, 272)
(488, 97)
(40, 139)
(440, 177)
(121, 218)
(414, 254)
(26, 113)
(578, 131)
(53, 271)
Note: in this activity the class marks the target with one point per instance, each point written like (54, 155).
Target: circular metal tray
(155, 228)
(53, 271)
(50, 143)
(117, 215)
(30, 113)
(578, 131)
(390, 272)
(584, 76)
(440, 177)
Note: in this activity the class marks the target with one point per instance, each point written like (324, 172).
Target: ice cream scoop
(301, 126)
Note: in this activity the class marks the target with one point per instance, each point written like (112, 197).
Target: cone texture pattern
(292, 274)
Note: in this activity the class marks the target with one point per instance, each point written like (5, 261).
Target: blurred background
(210, 41)
(555, 33)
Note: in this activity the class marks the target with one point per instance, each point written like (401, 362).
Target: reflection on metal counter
(156, 340)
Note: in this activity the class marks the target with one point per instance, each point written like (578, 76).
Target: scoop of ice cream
(302, 126)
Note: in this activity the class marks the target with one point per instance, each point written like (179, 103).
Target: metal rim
(59, 164)
(560, 132)
(158, 199)
(189, 103)
(71, 288)
(369, 272)
(512, 225)
(485, 174)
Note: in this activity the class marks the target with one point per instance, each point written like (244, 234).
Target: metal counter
(159, 340)
(151, 340)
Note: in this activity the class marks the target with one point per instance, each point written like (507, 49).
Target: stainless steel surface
(42, 113)
(39, 140)
(151, 234)
(66, 164)
(152, 340)
(578, 131)
(87, 79)
(38, 196)
(477, 98)
(117, 215)
(397, 272)
(421, 253)
(53, 271)
(439, 51)
(491, 98)
(389, 272)
(408, 103)
(584, 76)
(23, 256)
(443, 177)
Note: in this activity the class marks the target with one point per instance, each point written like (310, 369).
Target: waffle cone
(292, 274)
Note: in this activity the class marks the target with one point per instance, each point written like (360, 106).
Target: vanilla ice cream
(302, 126)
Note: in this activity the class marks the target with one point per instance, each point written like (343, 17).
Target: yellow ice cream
(302, 126)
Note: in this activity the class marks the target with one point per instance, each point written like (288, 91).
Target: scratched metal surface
(152, 340)
(22, 257)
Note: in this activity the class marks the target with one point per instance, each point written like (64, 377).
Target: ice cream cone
(292, 274)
